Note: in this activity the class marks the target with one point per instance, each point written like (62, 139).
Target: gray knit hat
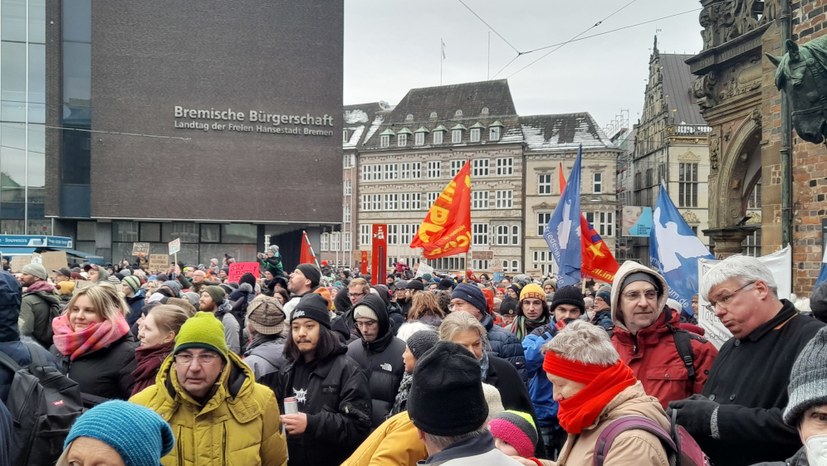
(808, 379)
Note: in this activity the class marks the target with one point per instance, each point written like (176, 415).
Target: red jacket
(654, 358)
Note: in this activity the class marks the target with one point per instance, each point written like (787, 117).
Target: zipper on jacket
(179, 446)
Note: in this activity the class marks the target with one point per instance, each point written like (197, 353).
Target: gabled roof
(677, 90)
(562, 131)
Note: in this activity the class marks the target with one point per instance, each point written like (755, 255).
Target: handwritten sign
(237, 269)
(140, 249)
(158, 263)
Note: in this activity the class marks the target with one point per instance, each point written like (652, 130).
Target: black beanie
(311, 273)
(446, 396)
(312, 306)
(569, 295)
(248, 278)
(642, 277)
(415, 285)
(445, 284)
(421, 341)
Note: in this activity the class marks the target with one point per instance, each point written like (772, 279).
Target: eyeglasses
(356, 295)
(635, 295)
(725, 300)
(204, 359)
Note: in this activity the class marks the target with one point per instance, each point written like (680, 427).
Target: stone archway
(739, 172)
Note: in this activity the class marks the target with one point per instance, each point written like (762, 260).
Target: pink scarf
(96, 336)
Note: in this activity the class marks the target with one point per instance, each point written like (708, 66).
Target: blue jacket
(539, 387)
(505, 345)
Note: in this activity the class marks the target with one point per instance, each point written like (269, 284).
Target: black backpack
(43, 403)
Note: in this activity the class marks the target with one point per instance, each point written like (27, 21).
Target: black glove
(695, 414)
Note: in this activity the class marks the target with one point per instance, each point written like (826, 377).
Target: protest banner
(237, 269)
(140, 249)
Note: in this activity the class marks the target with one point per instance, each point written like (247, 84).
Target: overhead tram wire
(491, 27)
(575, 37)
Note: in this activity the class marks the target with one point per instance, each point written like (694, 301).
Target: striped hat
(517, 429)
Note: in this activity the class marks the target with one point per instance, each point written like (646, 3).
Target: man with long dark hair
(329, 387)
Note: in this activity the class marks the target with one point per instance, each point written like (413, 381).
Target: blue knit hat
(137, 433)
(472, 294)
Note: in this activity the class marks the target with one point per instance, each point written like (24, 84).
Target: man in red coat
(649, 340)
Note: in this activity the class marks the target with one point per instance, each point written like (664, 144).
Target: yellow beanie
(532, 290)
(203, 330)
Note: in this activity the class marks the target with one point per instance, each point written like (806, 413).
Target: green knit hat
(203, 330)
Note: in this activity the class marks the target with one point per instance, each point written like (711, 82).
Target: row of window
(437, 136)
(401, 234)
(603, 222)
(480, 200)
(336, 241)
(503, 166)
(544, 183)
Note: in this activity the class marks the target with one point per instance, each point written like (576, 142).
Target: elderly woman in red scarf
(93, 341)
(593, 388)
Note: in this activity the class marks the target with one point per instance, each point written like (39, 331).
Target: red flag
(307, 255)
(597, 261)
(446, 229)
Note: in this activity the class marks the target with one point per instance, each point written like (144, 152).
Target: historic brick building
(738, 98)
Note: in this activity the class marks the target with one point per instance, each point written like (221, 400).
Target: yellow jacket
(394, 443)
(239, 424)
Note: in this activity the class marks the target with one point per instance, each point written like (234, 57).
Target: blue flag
(563, 230)
(674, 250)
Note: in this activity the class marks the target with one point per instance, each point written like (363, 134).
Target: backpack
(43, 403)
(681, 448)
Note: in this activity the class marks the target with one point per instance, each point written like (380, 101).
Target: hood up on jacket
(377, 305)
(9, 307)
(628, 268)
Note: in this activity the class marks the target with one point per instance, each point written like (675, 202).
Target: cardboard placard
(140, 249)
(237, 269)
(18, 262)
(53, 260)
(158, 263)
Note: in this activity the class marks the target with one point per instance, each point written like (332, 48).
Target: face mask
(816, 447)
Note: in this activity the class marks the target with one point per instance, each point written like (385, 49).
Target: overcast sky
(393, 46)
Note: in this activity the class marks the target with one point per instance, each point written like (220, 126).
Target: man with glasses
(379, 353)
(738, 420)
(344, 324)
(672, 363)
(211, 400)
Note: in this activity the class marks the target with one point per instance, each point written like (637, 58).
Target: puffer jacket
(104, 374)
(505, 345)
(394, 443)
(265, 355)
(337, 404)
(652, 353)
(239, 424)
(633, 447)
(381, 360)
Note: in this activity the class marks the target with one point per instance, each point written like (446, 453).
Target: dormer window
(458, 114)
(476, 132)
(402, 137)
(484, 111)
(456, 134)
(419, 136)
(439, 132)
(385, 138)
(409, 117)
(495, 131)
(433, 116)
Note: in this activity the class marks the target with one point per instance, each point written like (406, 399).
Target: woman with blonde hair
(93, 342)
(156, 333)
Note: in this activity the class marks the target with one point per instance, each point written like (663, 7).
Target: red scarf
(92, 338)
(149, 360)
(602, 385)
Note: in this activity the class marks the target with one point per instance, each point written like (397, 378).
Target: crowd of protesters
(319, 366)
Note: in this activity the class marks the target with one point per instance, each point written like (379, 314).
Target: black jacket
(749, 380)
(104, 374)
(337, 408)
(505, 345)
(381, 360)
(513, 391)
